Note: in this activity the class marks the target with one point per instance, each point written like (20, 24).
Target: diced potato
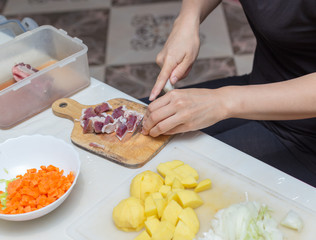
(161, 204)
(174, 163)
(177, 184)
(151, 183)
(172, 196)
(189, 182)
(163, 169)
(145, 183)
(172, 212)
(129, 215)
(156, 195)
(183, 232)
(164, 190)
(189, 198)
(150, 207)
(151, 225)
(170, 178)
(186, 170)
(166, 231)
(203, 185)
(189, 218)
(167, 167)
(143, 236)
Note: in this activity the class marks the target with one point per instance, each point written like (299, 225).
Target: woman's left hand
(182, 111)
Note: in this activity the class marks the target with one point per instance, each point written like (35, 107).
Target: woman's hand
(178, 53)
(183, 110)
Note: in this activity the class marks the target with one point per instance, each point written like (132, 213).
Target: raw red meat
(121, 130)
(88, 113)
(21, 71)
(97, 126)
(108, 119)
(87, 126)
(96, 145)
(121, 121)
(118, 112)
(104, 107)
(131, 122)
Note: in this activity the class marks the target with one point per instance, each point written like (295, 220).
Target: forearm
(288, 100)
(197, 10)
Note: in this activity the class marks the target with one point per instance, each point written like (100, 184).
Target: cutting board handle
(67, 108)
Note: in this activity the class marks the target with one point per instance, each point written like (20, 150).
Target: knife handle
(168, 86)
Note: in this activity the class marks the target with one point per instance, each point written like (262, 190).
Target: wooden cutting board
(132, 151)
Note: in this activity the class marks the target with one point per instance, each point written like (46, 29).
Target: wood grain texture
(132, 151)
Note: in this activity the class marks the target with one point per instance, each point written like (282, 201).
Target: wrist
(188, 19)
(229, 102)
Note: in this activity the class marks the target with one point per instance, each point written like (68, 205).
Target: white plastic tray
(228, 187)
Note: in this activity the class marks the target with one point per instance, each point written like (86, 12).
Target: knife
(168, 87)
(139, 127)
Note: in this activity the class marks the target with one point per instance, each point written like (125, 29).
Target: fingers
(181, 70)
(168, 126)
(163, 77)
(157, 113)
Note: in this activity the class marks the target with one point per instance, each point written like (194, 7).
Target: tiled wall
(124, 37)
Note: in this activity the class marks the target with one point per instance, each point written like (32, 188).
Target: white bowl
(25, 152)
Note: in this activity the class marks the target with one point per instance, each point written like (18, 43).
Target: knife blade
(138, 127)
(168, 87)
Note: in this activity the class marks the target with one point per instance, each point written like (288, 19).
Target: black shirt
(286, 48)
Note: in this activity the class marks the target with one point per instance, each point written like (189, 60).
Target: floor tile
(46, 6)
(143, 30)
(243, 40)
(243, 63)
(90, 26)
(137, 80)
(209, 69)
(125, 36)
(133, 2)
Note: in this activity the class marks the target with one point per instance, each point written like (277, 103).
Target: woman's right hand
(178, 54)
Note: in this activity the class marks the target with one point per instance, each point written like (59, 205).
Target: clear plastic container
(9, 29)
(64, 71)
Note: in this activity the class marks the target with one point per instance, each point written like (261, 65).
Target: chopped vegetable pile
(243, 221)
(34, 190)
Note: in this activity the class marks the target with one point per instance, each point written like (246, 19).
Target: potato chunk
(177, 184)
(183, 232)
(172, 212)
(189, 182)
(143, 236)
(165, 232)
(167, 167)
(150, 207)
(203, 185)
(186, 170)
(164, 190)
(129, 215)
(160, 203)
(151, 225)
(145, 183)
(189, 198)
(189, 218)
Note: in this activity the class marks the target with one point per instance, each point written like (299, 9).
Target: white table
(96, 170)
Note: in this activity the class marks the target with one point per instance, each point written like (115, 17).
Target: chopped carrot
(35, 189)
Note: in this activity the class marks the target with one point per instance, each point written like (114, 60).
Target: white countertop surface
(100, 177)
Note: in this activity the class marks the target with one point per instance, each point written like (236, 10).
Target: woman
(277, 100)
